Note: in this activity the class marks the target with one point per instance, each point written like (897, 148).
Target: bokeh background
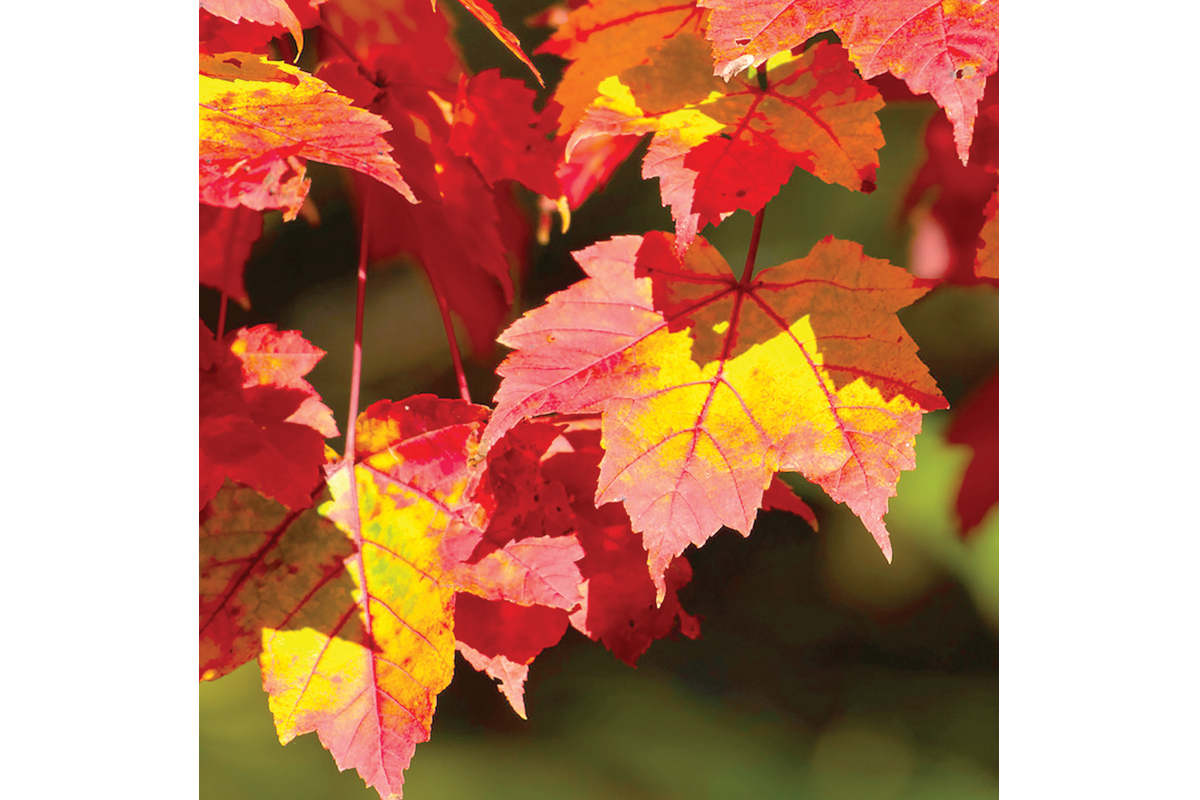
(822, 671)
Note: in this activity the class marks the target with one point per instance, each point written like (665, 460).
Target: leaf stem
(221, 315)
(348, 461)
(748, 271)
(356, 363)
(455, 356)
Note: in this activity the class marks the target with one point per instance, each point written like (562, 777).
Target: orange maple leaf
(605, 38)
(987, 257)
(722, 146)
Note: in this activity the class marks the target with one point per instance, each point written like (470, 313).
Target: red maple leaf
(501, 640)
(619, 607)
(483, 11)
(495, 126)
(946, 49)
(220, 35)
(268, 13)
(977, 424)
(780, 497)
(453, 138)
(261, 424)
(946, 198)
(226, 236)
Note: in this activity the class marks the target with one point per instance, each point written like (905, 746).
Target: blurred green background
(822, 671)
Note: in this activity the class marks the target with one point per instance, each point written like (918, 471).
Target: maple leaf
(607, 37)
(707, 385)
(525, 563)
(264, 566)
(454, 135)
(501, 640)
(269, 114)
(494, 125)
(619, 607)
(987, 257)
(483, 11)
(947, 226)
(226, 236)
(283, 358)
(261, 424)
(267, 12)
(220, 35)
(944, 48)
(368, 684)
(265, 182)
(417, 24)
(533, 571)
(593, 161)
(722, 146)
(510, 674)
(780, 497)
(977, 424)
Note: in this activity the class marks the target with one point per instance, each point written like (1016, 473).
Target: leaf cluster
(641, 409)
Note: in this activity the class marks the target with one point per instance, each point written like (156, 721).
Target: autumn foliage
(641, 409)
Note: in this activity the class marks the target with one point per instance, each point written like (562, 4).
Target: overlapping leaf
(619, 607)
(483, 11)
(780, 497)
(220, 35)
(461, 141)
(226, 236)
(946, 49)
(593, 162)
(258, 118)
(525, 563)
(416, 24)
(987, 257)
(368, 683)
(501, 639)
(722, 146)
(977, 424)
(606, 37)
(708, 384)
(261, 424)
(267, 12)
(602, 39)
(264, 566)
(494, 125)
(946, 198)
